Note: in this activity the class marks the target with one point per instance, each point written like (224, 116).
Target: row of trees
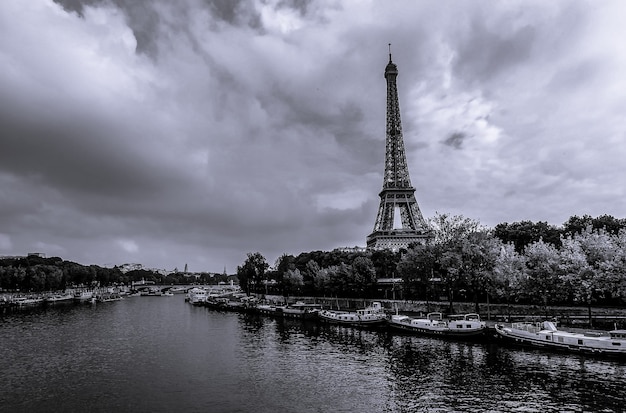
(34, 274)
(582, 262)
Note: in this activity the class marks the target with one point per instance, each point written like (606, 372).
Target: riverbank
(601, 317)
(571, 316)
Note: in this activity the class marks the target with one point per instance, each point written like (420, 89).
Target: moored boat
(108, 297)
(152, 292)
(545, 335)
(238, 302)
(59, 297)
(83, 295)
(370, 316)
(25, 301)
(197, 296)
(462, 326)
(301, 310)
(270, 309)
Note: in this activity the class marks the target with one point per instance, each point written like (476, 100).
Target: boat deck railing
(530, 327)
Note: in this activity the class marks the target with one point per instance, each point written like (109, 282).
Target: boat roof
(434, 316)
(468, 316)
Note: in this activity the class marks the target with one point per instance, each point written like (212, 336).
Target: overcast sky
(195, 131)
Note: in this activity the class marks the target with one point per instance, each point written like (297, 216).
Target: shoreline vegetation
(580, 265)
(603, 318)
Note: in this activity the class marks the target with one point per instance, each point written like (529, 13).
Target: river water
(160, 354)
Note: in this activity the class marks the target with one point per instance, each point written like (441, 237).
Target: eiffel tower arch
(397, 195)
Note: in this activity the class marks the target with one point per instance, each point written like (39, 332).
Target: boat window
(468, 326)
(616, 344)
(580, 342)
(549, 338)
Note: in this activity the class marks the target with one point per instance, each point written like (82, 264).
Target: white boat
(152, 292)
(108, 297)
(369, 316)
(301, 310)
(59, 297)
(238, 302)
(467, 326)
(83, 295)
(25, 301)
(270, 309)
(197, 296)
(545, 335)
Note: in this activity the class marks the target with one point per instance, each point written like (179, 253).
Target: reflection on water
(161, 354)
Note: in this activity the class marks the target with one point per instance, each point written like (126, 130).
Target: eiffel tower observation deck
(397, 195)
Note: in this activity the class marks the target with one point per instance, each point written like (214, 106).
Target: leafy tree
(252, 272)
(615, 268)
(523, 233)
(338, 279)
(321, 280)
(308, 277)
(283, 264)
(589, 258)
(292, 281)
(542, 267)
(509, 274)
(447, 229)
(385, 262)
(417, 269)
(362, 276)
(578, 275)
(449, 233)
(609, 223)
(576, 224)
(479, 252)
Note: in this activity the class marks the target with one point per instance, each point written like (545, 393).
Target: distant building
(124, 268)
(36, 254)
(351, 249)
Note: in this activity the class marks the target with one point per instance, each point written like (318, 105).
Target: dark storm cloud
(148, 23)
(487, 53)
(75, 156)
(197, 131)
(455, 140)
(141, 15)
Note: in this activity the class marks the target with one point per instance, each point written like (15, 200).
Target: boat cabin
(618, 334)
(375, 308)
(434, 316)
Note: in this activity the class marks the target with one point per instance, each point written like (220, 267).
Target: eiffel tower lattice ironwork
(397, 195)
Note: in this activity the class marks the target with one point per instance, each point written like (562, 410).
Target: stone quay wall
(608, 318)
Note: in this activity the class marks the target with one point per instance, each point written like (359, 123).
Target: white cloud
(199, 132)
(128, 245)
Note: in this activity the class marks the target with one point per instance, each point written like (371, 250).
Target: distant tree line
(35, 274)
(583, 262)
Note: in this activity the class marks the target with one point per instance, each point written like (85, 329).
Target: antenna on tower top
(389, 52)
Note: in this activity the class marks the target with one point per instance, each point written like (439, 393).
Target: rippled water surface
(159, 354)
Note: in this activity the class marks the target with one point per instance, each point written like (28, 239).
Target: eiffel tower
(397, 196)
